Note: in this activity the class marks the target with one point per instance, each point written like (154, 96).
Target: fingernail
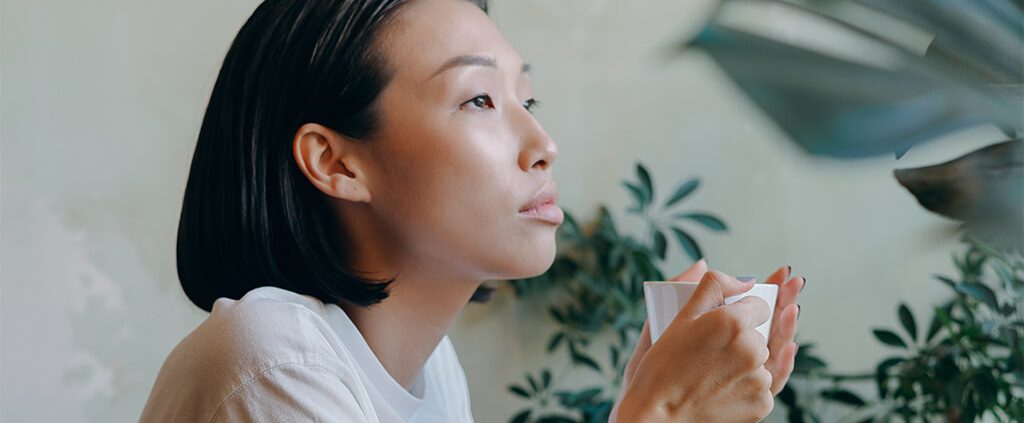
(746, 279)
(798, 309)
(789, 270)
(804, 285)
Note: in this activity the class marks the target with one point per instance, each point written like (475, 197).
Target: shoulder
(266, 327)
(269, 337)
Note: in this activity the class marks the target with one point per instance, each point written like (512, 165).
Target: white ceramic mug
(665, 299)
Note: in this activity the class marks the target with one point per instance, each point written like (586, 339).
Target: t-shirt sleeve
(293, 392)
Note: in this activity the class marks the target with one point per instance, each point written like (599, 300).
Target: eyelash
(529, 104)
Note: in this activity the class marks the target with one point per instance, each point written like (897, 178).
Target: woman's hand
(780, 343)
(698, 337)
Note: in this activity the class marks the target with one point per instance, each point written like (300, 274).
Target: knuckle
(763, 379)
(745, 352)
(732, 323)
(764, 404)
(714, 277)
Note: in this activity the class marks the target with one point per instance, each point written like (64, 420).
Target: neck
(423, 301)
(405, 328)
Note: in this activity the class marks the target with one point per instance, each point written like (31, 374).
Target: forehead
(427, 33)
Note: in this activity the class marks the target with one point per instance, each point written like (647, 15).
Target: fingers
(714, 287)
(787, 294)
(781, 374)
(694, 273)
(779, 276)
(642, 345)
(750, 311)
(783, 332)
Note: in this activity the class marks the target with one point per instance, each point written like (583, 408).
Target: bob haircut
(249, 217)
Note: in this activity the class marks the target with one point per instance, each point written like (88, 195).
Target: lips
(544, 206)
(548, 194)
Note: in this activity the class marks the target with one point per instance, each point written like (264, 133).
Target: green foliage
(968, 365)
(594, 288)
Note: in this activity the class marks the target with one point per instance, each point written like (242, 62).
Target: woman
(362, 167)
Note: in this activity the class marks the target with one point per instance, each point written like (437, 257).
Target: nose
(539, 150)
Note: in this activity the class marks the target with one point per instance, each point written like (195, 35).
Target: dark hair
(250, 218)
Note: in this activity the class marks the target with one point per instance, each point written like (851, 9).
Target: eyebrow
(469, 60)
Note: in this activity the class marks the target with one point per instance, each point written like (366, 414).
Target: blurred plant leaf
(984, 188)
(843, 396)
(522, 417)
(660, 244)
(639, 195)
(519, 390)
(709, 221)
(907, 320)
(889, 338)
(982, 38)
(840, 108)
(682, 191)
(645, 181)
(688, 244)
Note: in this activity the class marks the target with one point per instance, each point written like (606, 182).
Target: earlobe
(324, 158)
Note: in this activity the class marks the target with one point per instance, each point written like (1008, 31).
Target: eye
(531, 104)
(482, 101)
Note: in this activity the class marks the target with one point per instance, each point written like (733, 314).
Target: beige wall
(101, 103)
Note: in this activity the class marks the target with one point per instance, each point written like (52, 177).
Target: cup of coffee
(665, 299)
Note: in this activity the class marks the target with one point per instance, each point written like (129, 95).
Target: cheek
(457, 204)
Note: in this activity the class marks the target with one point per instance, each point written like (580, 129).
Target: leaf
(843, 396)
(534, 386)
(787, 396)
(519, 390)
(936, 323)
(889, 338)
(847, 109)
(684, 189)
(907, 320)
(522, 417)
(707, 220)
(806, 361)
(984, 189)
(556, 339)
(579, 357)
(613, 353)
(949, 282)
(545, 378)
(660, 244)
(577, 399)
(979, 292)
(555, 419)
(557, 315)
(882, 374)
(645, 182)
(688, 244)
(639, 195)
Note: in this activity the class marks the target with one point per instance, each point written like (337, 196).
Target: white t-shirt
(278, 356)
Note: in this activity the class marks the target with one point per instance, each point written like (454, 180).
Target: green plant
(595, 288)
(845, 80)
(967, 364)
(884, 96)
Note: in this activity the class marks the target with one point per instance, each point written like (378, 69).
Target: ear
(330, 162)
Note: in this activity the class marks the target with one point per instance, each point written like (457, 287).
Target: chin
(534, 262)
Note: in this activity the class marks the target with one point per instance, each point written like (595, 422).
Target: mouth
(547, 212)
(535, 207)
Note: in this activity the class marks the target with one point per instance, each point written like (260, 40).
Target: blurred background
(101, 105)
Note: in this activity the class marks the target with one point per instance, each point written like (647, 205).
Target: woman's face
(459, 154)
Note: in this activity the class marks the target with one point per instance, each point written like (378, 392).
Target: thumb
(712, 291)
